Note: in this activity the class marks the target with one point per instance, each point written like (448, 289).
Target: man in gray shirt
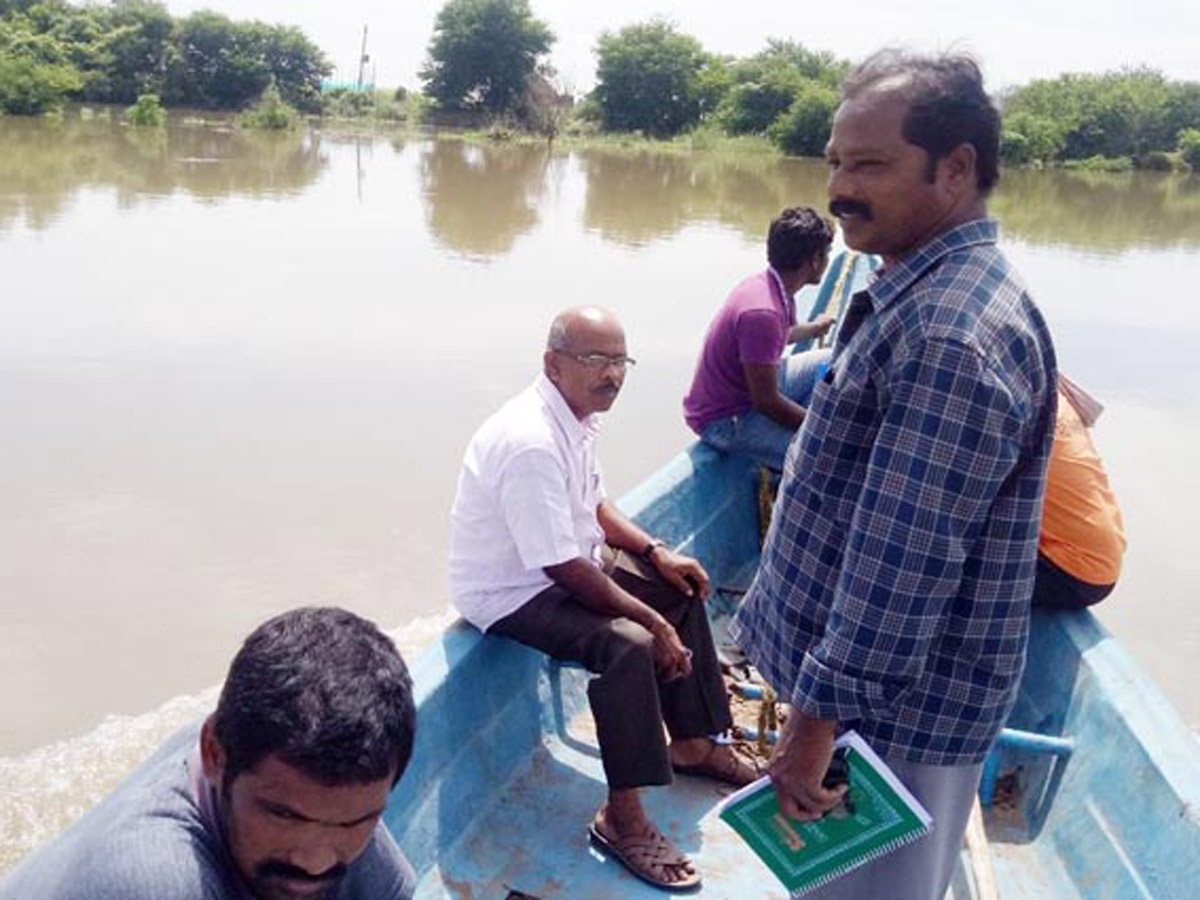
(277, 795)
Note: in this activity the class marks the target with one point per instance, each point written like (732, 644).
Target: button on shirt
(894, 586)
(527, 497)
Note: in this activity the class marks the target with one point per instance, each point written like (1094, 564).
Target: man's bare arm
(681, 572)
(763, 382)
(818, 327)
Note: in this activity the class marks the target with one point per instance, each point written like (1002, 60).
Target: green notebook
(806, 855)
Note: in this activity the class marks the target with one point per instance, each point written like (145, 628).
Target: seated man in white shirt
(540, 555)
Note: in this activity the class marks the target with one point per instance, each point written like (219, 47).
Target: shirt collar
(786, 302)
(577, 430)
(894, 280)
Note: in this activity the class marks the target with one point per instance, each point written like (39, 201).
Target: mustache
(839, 208)
(276, 870)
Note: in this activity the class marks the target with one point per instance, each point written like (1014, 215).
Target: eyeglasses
(598, 362)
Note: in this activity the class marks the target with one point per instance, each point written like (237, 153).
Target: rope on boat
(768, 719)
(839, 293)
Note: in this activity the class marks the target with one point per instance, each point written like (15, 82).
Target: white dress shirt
(527, 497)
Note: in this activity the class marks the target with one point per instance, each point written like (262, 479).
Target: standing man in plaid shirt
(894, 589)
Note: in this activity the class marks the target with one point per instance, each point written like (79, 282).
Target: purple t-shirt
(751, 327)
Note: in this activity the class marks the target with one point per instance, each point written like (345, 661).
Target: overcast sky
(1015, 40)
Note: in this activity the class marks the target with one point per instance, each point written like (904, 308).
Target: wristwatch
(647, 554)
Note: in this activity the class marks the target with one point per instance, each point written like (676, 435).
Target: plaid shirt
(894, 587)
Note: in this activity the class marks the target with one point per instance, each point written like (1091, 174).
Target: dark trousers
(629, 702)
(1055, 589)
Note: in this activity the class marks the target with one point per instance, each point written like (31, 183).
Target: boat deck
(534, 840)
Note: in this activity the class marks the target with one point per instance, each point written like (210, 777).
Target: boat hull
(506, 775)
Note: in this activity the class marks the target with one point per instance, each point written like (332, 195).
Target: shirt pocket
(838, 441)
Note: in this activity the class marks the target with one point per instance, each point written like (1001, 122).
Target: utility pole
(362, 58)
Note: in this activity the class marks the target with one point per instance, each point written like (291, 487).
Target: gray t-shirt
(150, 840)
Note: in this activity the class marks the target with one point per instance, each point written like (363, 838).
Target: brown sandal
(644, 855)
(730, 767)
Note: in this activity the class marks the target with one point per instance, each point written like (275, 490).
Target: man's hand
(815, 329)
(798, 766)
(821, 325)
(681, 572)
(672, 658)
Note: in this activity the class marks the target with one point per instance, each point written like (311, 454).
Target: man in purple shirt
(745, 396)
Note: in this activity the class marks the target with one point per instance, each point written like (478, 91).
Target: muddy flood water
(237, 374)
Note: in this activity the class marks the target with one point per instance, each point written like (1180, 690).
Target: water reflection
(635, 198)
(1100, 213)
(45, 163)
(479, 199)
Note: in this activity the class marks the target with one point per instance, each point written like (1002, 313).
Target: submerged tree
(147, 112)
(271, 113)
(482, 52)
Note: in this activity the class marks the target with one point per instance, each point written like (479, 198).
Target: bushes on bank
(377, 106)
(1189, 147)
(804, 129)
(31, 88)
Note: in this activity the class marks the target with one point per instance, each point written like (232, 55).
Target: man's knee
(628, 644)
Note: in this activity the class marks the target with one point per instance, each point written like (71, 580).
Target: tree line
(490, 59)
(1136, 116)
(654, 79)
(52, 50)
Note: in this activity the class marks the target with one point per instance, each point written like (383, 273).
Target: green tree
(1183, 107)
(1131, 112)
(1028, 137)
(1015, 149)
(482, 52)
(649, 77)
(816, 65)
(753, 105)
(1189, 147)
(127, 48)
(212, 64)
(128, 55)
(30, 88)
(216, 62)
(805, 128)
(296, 64)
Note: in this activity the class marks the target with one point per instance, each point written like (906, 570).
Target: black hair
(797, 235)
(323, 690)
(947, 106)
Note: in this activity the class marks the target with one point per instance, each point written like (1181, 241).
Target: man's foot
(643, 850)
(721, 762)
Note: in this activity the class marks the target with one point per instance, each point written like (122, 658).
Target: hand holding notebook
(877, 815)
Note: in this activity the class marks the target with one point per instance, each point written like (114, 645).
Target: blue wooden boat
(1092, 792)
